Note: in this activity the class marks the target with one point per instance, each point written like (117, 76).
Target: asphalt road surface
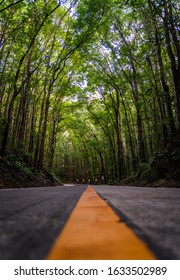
(152, 213)
(31, 219)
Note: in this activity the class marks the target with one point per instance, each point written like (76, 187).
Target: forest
(90, 90)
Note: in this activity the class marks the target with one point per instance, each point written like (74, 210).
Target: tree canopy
(88, 89)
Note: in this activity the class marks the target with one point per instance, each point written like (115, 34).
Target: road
(31, 219)
(153, 213)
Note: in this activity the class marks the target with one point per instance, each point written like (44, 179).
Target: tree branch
(10, 5)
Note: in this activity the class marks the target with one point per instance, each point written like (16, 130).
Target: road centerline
(94, 231)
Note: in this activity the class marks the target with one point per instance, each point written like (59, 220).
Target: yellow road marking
(95, 232)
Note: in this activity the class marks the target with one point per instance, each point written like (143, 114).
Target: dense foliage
(89, 89)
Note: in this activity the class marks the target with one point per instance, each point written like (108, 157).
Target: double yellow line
(95, 232)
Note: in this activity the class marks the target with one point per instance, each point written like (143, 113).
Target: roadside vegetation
(90, 90)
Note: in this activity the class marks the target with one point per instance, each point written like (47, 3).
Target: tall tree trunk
(52, 143)
(141, 145)
(164, 83)
(171, 32)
